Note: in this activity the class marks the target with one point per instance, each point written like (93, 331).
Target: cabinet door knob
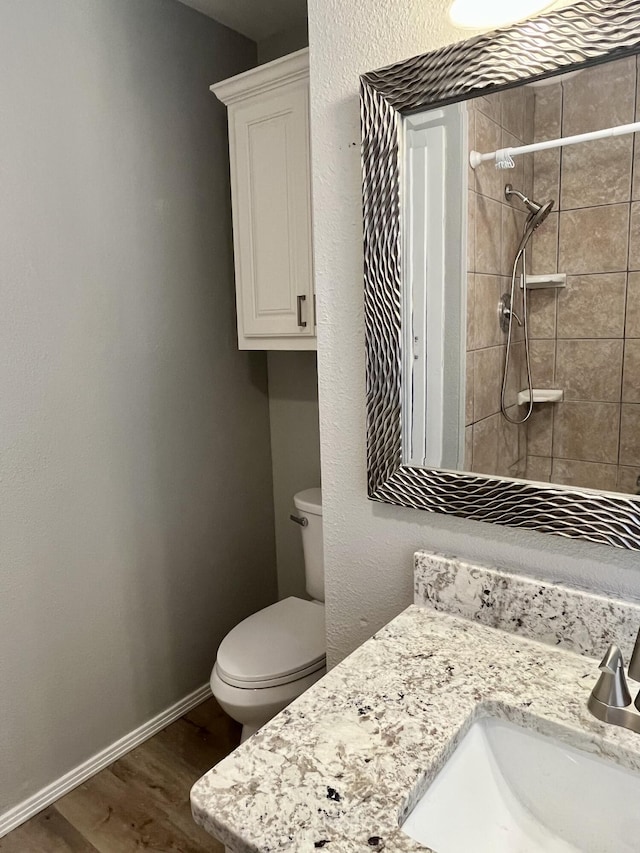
(301, 322)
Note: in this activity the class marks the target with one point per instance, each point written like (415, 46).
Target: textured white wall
(368, 547)
(136, 500)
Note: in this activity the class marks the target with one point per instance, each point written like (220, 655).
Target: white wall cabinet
(271, 198)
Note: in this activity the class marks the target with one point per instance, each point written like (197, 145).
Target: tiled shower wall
(493, 445)
(586, 337)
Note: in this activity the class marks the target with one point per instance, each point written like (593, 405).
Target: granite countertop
(341, 767)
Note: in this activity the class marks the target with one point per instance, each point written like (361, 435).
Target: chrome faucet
(610, 699)
(634, 663)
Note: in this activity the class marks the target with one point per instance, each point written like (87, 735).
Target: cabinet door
(272, 215)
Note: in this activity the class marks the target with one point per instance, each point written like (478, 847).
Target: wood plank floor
(141, 801)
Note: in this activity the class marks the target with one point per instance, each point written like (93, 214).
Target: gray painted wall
(137, 512)
(279, 44)
(368, 546)
(295, 451)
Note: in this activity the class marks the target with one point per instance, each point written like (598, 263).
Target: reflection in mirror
(549, 353)
(435, 157)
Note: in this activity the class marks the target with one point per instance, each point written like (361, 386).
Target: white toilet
(272, 657)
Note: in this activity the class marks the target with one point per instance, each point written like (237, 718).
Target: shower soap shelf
(541, 395)
(536, 282)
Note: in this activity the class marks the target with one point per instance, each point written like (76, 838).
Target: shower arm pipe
(503, 155)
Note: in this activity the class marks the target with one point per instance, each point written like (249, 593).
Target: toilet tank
(308, 505)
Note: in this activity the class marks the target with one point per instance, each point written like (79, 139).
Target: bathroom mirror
(503, 304)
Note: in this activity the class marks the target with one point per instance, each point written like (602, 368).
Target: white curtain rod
(504, 156)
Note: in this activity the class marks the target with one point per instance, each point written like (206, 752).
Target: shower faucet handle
(505, 312)
(509, 311)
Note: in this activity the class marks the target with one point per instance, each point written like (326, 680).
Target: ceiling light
(470, 14)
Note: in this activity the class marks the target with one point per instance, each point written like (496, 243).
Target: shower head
(533, 207)
(537, 218)
(537, 213)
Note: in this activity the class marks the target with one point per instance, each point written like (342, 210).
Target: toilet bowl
(273, 656)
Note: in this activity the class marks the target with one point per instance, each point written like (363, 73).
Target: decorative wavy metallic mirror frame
(584, 34)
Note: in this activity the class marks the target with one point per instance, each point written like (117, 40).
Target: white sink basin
(510, 790)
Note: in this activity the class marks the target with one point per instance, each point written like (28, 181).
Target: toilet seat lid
(278, 644)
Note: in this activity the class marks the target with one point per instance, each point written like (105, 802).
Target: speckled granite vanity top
(341, 767)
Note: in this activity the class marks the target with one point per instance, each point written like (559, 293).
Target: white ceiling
(256, 19)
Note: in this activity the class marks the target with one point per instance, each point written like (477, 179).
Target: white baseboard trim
(43, 798)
